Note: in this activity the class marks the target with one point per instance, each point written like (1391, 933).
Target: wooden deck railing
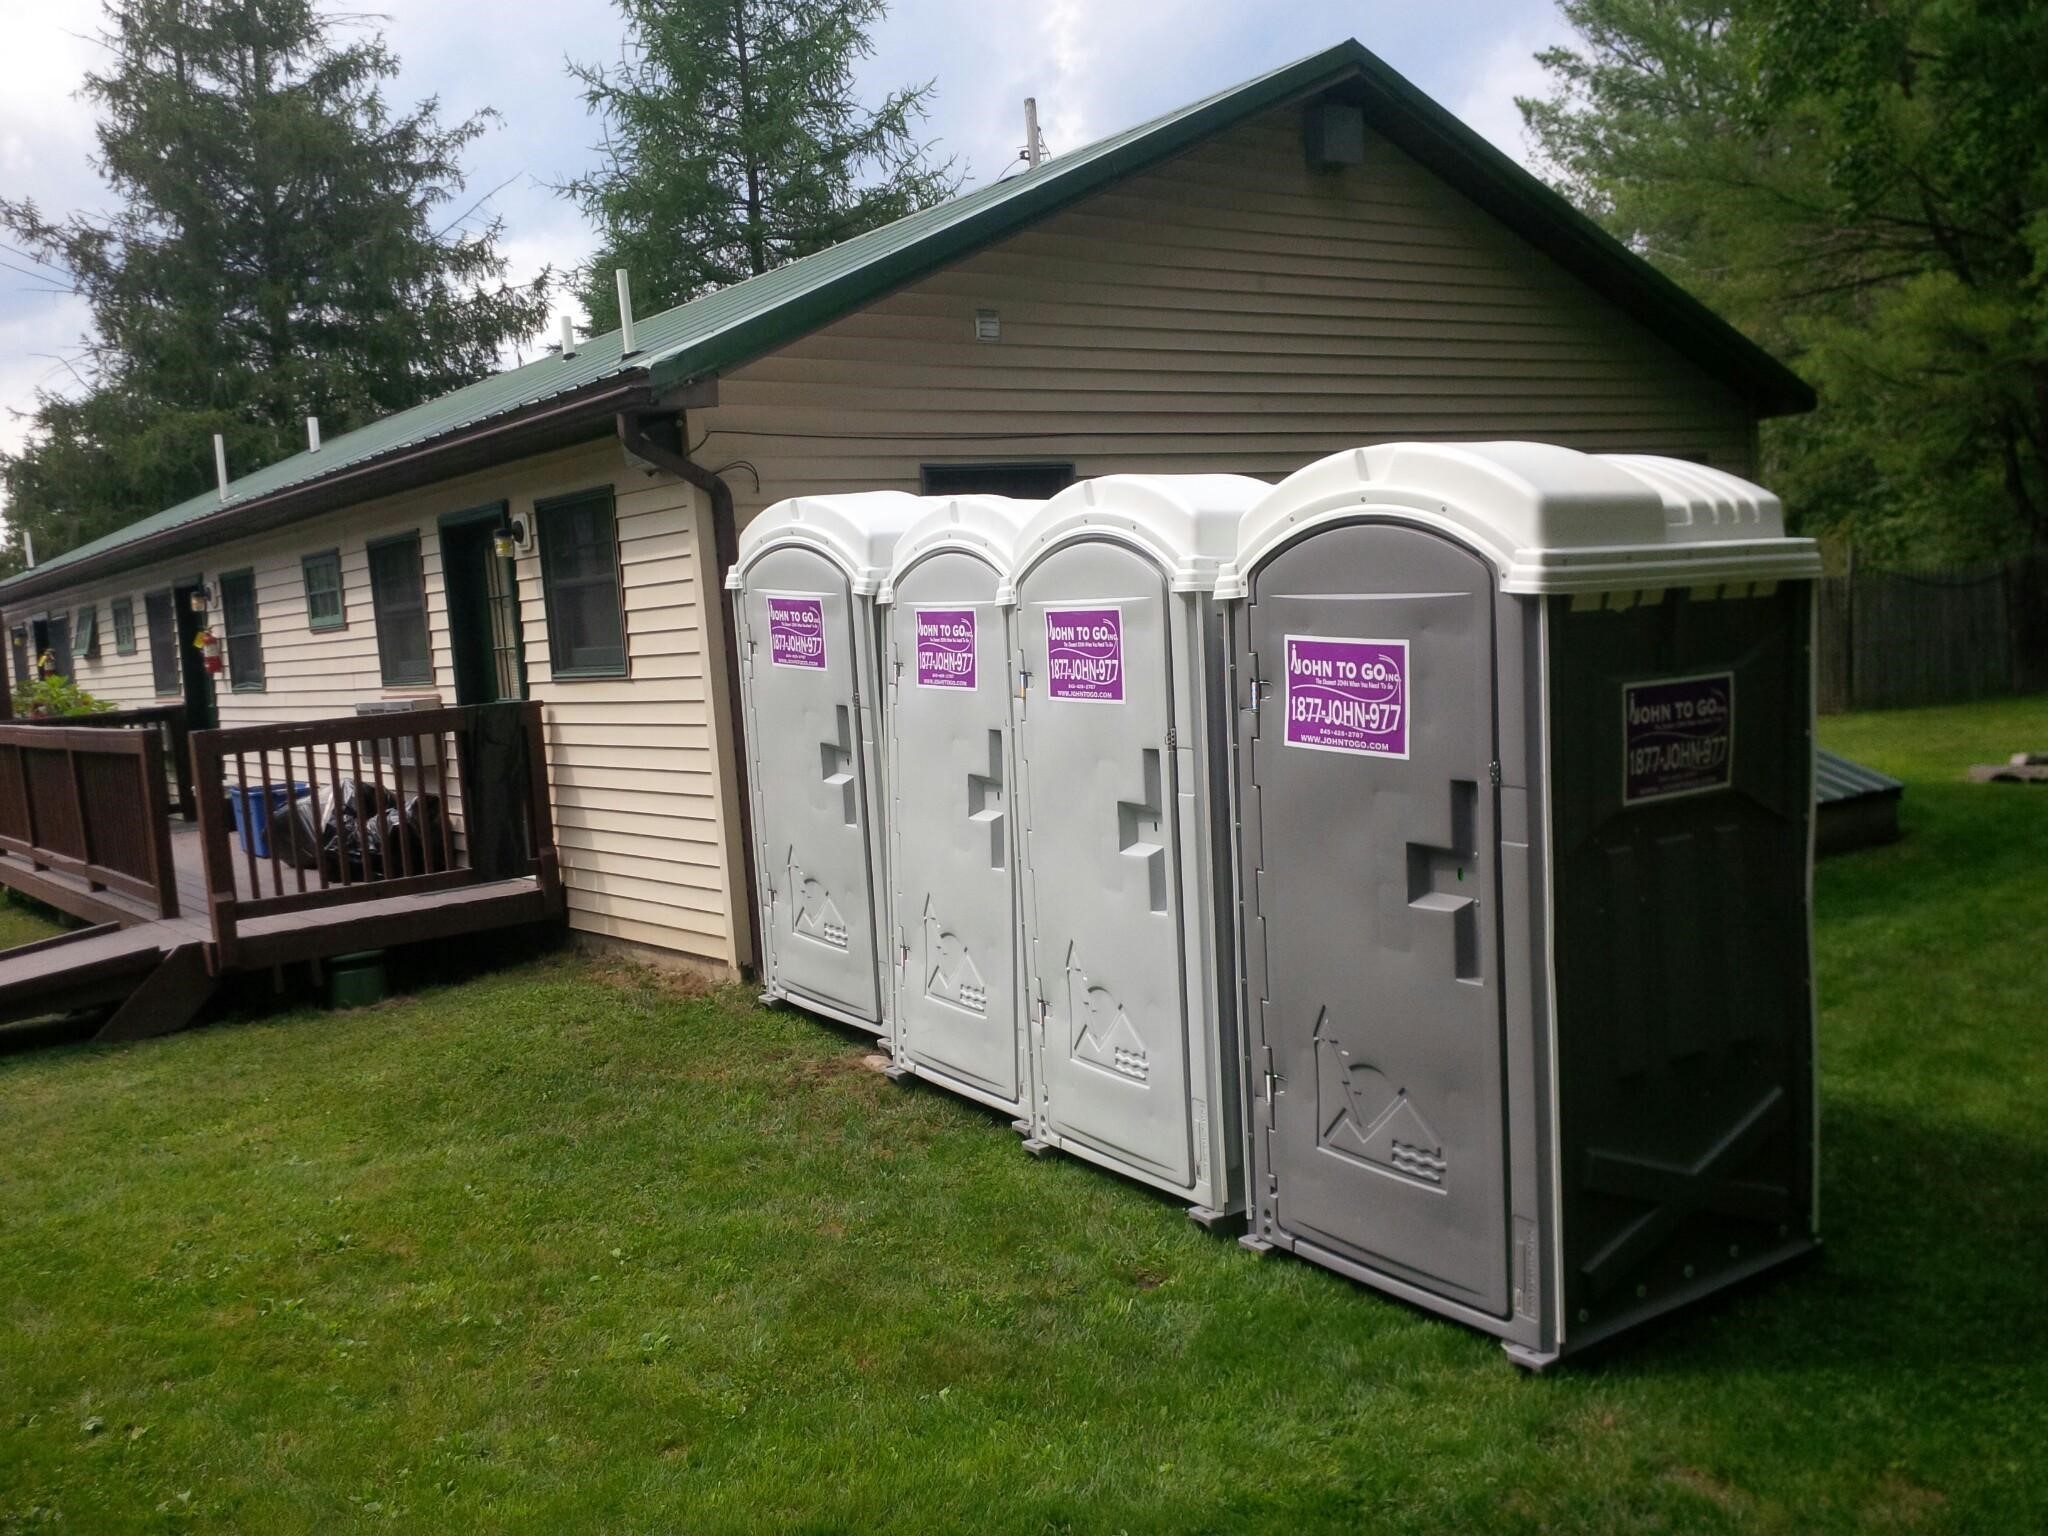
(92, 804)
(391, 805)
(167, 720)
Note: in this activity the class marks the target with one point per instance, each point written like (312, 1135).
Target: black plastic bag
(404, 839)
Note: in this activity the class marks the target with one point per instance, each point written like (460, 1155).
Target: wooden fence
(1891, 639)
(92, 804)
(168, 720)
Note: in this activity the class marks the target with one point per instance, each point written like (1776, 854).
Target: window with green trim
(244, 633)
(579, 573)
(166, 666)
(124, 626)
(398, 598)
(86, 627)
(324, 605)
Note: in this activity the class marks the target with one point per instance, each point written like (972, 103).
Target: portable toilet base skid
(1524, 748)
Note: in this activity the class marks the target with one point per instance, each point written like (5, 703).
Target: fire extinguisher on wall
(207, 643)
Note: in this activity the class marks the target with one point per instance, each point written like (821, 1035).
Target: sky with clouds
(1095, 66)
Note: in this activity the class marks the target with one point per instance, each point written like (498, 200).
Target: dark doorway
(482, 585)
(201, 713)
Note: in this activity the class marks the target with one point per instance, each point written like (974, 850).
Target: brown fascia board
(520, 434)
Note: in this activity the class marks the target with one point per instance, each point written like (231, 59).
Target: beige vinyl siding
(1230, 310)
(110, 675)
(640, 785)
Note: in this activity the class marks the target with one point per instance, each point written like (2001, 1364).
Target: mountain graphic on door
(952, 976)
(1104, 1036)
(1360, 1115)
(817, 915)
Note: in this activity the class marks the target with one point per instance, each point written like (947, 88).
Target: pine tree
(734, 142)
(282, 249)
(1863, 184)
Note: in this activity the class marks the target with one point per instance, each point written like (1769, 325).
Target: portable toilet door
(807, 575)
(952, 861)
(1528, 980)
(1125, 845)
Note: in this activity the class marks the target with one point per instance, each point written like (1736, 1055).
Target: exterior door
(810, 807)
(483, 609)
(1103, 863)
(201, 712)
(955, 908)
(1371, 859)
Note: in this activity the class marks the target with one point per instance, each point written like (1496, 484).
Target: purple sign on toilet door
(1347, 695)
(1084, 654)
(945, 647)
(796, 632)
(1679, 737)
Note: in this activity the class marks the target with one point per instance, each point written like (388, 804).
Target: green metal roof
(723, 329)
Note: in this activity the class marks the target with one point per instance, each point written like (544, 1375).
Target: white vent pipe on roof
(220, 464)
(312, 434)
(569, 334)
(626, 345)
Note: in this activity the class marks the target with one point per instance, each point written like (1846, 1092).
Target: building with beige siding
(1314, 260)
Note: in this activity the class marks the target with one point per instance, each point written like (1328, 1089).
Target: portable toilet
(1122, 764)
(807, 576)
(1524, 755)
(952, 862)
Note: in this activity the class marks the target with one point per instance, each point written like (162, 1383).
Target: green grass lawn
(24, 922)
(562, 1249)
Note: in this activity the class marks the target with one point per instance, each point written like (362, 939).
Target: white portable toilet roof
(982, 525)
(1188, 523)
(857, 532)
(1550, 519)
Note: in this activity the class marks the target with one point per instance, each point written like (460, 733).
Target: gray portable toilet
(952, 863)
(807, 574)
(1123, 768)
(1524, 775)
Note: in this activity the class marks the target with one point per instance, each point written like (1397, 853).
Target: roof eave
(537, 428)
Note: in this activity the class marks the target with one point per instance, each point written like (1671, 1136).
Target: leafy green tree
(1863, 184)
(282, 249)
(734, 142)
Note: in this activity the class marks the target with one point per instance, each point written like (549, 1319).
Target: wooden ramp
(85, 827)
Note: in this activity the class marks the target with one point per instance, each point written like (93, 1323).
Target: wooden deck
(287, 935)
(157, 949)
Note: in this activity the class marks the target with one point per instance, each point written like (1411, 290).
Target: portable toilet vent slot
(1524, 880)
(1123, 774)
(807, 576)
(951, 828)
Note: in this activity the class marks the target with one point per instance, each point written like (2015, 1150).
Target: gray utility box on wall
(807, 575)
(1123, 765)
(1524, 751)
(952, 846)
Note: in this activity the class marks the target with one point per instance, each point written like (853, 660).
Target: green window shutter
(325, 608)
(398, 598)
(579, 566)
(244, 632)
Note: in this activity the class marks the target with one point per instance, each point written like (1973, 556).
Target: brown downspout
(725, 538)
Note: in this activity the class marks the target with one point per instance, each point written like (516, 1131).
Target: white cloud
(1507, 69)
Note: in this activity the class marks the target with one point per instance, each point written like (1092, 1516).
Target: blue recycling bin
(253, 807)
